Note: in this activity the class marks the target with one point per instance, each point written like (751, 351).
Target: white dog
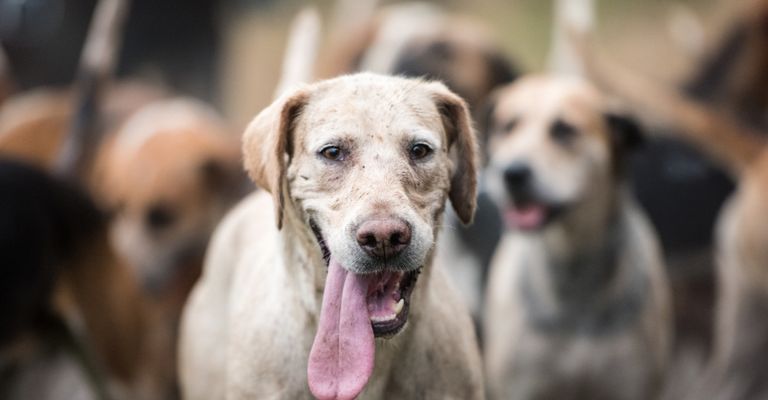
(327, 301)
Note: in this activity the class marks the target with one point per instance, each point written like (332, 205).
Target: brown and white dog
(578, 303)
(170, 173)
(327, 286)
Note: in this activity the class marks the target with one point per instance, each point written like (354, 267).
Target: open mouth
(356, 308)
(388, 293)
(530, 215)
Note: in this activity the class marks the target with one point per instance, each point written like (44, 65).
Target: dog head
(554, 149)
(462, 56)
(364, 163)
(168, 175)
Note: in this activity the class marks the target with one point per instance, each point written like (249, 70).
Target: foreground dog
(422, 40)
(359, 169)
(577, 303)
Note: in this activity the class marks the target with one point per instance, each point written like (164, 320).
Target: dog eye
(511, 124)
(562, 131)
(420, 151)
(332, 153)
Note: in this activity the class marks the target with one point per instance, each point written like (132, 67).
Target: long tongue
(341, 359)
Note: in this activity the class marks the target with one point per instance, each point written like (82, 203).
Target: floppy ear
(266, 146)
(461, 141)
(485, 123)
(625, 136)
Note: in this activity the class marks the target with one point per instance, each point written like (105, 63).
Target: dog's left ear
(462, 143)
(266, 145)
(625, 136)
(625, 133)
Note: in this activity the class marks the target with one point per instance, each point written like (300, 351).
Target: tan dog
(578, 304)
(359, 169)
(171, 172)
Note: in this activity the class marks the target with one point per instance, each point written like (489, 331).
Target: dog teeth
(383, 319)
(399, 306)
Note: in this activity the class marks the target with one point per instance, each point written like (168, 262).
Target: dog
(165, 207)
(578, 303)
(421, 40)
(326, 286)
(6, 83)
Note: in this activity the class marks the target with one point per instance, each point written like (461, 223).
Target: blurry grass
(633, 31)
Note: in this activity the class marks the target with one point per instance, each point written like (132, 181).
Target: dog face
(367, 162)
(553, 150)
(464, 59)
(169, 175)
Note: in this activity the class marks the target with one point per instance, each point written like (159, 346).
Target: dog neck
(583, 287)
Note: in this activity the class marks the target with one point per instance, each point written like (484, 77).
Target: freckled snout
(383, 238)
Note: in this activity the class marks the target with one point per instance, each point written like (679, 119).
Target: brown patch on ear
(461, 139)
(266, 145)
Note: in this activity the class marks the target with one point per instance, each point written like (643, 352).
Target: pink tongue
(341, 359)
(528, 217)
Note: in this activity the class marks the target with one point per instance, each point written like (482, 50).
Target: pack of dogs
(412, 217)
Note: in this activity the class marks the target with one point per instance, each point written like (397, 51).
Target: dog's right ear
(266, 146)
(461, 138)
(486, 124)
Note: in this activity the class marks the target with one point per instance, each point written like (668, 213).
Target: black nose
(383, 238)
(517, 176)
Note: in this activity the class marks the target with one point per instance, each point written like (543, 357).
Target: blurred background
(230, 51)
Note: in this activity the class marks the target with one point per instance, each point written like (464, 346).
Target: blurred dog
(578, 303)
(741, 337)
(58, 267)
(6, 84)
(421, 40)
(740, 344)
(359, 169)
(165, 174)
(169, 173)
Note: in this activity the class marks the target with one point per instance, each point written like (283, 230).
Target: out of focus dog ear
(461, 140)
(625, 132)
(266, 145)
(625, 136)
(486, 124)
